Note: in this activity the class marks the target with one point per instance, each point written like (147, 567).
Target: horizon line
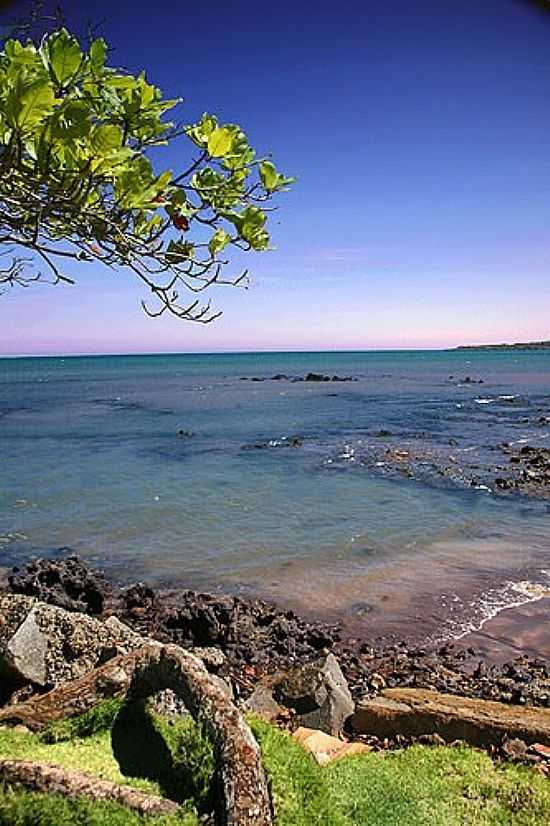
(59, 354)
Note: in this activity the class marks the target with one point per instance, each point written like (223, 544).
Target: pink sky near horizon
(358, 313)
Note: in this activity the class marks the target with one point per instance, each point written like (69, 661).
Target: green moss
(93, 755)
(300, 792)
(419, 786)
(23, 808)
(437, 786)
(99, 718)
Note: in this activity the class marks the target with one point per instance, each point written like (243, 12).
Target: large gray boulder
(45, 645)
(319, 695)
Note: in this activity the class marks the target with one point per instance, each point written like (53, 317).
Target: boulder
(45, 645)
(318, 694)
(262, 703)
(415, 712)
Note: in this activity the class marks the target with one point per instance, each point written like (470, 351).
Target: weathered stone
(415, 712)
(67, 582)
(44, 778)
(325, 748)
(318, 694)
(26, 652)
(262, 703)
(45, 645)
(213, 658)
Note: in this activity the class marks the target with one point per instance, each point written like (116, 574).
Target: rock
(67, 583)
(223, 684)
(46, 645)
(320, 377)
(540, 750)
(212, 657)
(415, 712)
(515, 749)
(378, 682)
(26, 651)
(431, 740)
(262, 703)
(324, 748)
(318, 694)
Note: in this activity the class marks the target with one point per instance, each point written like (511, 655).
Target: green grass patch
(24, 808)
(420, 786)
(100, 718)
(125, 744)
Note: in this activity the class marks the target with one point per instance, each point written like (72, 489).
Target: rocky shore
(257, 649)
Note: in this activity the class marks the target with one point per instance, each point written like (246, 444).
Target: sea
(207, 472)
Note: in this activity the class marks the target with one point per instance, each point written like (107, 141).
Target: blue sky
(419, 133)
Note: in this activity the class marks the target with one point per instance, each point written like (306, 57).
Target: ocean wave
(469, 617)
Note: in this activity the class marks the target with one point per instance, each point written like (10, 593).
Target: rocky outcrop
(46, 645)
(315, 695)
(417, 712)
(67, 582)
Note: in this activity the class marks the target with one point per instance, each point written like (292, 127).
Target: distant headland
(520, 345)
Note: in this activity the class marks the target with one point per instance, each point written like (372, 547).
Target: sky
(419, 135)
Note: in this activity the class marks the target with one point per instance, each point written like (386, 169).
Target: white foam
(490, 604)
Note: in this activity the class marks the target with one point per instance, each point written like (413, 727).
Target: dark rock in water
(320, 377)
(279, 377)
(318, 694)
(68, 583)
(316, 377)
(470, 380)
(186, 433)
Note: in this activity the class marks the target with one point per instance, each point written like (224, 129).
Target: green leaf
(72, 120)
(200, 132)
(28, 103)
(219, 241)
(179, 251)
(98, 54)
(220, 142)
(268, 175)
(63, 55)
(252, 230)
(271, 179)
(106, 139)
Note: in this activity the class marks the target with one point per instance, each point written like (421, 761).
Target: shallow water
(92, 459)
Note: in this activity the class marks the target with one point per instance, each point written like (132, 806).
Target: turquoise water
(92, 459)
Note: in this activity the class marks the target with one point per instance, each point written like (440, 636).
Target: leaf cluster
(77, 182)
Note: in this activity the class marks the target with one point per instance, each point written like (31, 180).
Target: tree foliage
(77, 183)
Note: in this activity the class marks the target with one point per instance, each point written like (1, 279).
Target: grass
(419, 786)
(23, 808)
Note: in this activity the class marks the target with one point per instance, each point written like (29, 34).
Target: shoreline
(259, 639)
